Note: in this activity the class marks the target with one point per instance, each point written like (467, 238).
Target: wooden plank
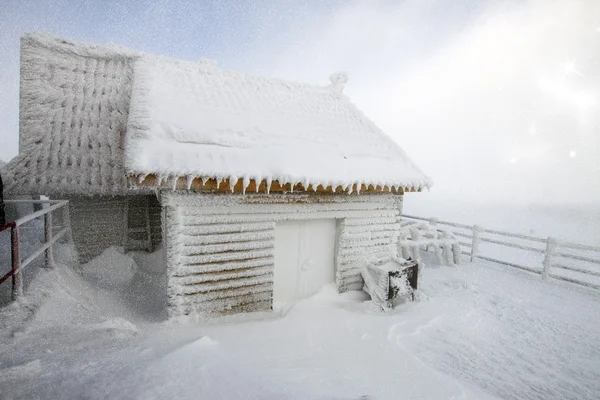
(514, 235)
(576, 281)
(577, 246)
(371, 220)
(227, 228)
(191, 298)
(209, 287)
(439, 222)
(229, 256)
(356, 252)
(352, 244)
(390, 227)
(523, 267)
(576, 269)
(32, 216)
(248, 208)
(220, 307)
(513, 245)
(186, 270)
(216, 238)
(220, 275)
(45, 246)
(352, 218)
(576, 257)
(195, 250)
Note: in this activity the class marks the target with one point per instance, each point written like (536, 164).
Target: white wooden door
(304, 258)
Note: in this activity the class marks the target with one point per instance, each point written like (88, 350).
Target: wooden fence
(50, 237)
(570, 262)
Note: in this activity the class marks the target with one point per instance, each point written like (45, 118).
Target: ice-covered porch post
(551, 245)
(17, 281)
(49, 254)
(475, 242)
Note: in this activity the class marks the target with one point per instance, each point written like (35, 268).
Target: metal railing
(50, 238)
(566, 261)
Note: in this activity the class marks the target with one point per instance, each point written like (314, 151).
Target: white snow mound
(111, 269)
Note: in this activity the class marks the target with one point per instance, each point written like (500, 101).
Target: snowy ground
(480, 331)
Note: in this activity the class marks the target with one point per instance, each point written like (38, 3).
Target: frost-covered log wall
(99, 222)
(220, 248)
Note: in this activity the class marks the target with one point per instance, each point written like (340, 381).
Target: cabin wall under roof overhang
(99, 222)
(220, 249)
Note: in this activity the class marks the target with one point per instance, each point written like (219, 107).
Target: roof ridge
(109, 50)
(65, 45)
(207, 65)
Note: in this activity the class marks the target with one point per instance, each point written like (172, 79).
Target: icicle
(141, 177)
(189, 181)
(175, 179)
(245, 183)
(160, 179)
(291, 186)
(257, 182)
(203, 180)
(358, 187)
(351, 188)
(219, 180)
(315, 185)
(232, 181)
(269, 182)
(345, 187)
(306, 184)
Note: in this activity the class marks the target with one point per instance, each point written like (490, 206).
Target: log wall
(99, 222)
(220, 248)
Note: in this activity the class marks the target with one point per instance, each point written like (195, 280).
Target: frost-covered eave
(266, 185)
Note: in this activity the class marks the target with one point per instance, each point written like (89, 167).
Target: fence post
(433, 221)
(48, 239)
(551, 245)
(475, 242)
(17, 282)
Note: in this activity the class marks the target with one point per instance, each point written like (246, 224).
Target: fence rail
(50, 237)
(558, 256)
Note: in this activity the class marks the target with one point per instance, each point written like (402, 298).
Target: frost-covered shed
(268, 188)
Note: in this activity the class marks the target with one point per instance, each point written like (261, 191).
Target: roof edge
(68, 46)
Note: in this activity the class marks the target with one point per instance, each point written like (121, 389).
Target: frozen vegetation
(479, 331)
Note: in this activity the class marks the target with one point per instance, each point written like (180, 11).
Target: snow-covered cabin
(259, 189)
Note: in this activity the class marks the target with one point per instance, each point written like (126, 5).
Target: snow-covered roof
(199, 120)
(91, 115)
(74, 104)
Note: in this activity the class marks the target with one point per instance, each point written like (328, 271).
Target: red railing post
(17, 282)
(48, 239)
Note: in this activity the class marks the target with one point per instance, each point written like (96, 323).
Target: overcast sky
(497, 101)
